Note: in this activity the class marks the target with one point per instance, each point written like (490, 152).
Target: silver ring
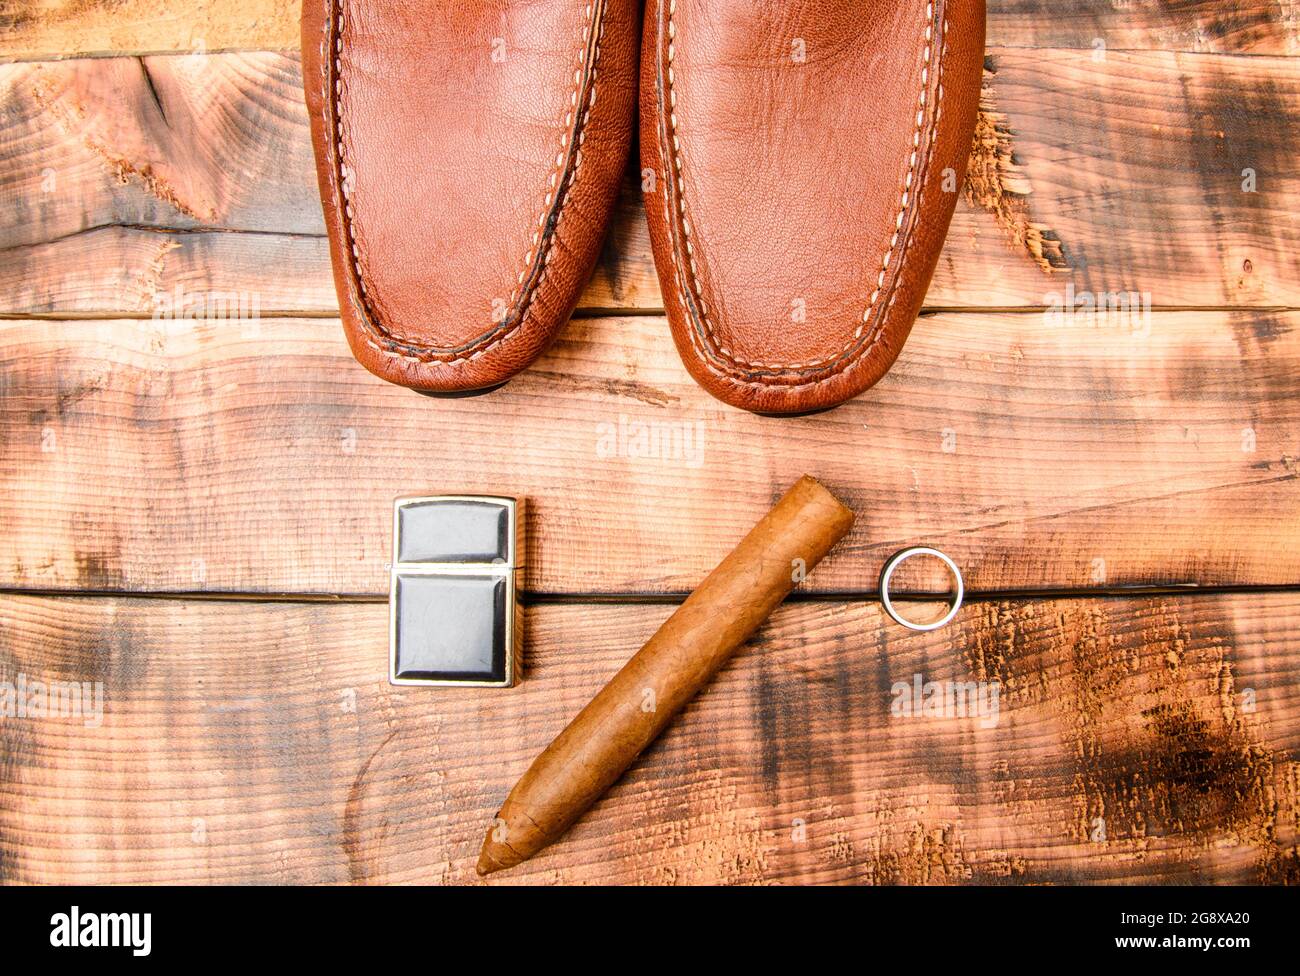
(896, 560)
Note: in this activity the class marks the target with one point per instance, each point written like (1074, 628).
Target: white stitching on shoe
(688, 271)
(560, 184)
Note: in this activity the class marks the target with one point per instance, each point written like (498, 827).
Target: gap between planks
(669, 599)
(596, 312)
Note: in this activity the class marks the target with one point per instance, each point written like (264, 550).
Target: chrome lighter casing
(505, 569)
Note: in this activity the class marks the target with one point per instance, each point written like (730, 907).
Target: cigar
(680, 659)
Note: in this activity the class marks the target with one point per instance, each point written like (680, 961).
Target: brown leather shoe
(808, 159)
(468, 156)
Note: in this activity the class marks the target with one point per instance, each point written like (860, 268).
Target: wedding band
(896, 560)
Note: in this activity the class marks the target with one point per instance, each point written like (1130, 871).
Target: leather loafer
(808, 157)
(468, 156)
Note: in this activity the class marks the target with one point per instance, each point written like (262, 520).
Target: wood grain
(1207, 26)
(1140, 739)
(40, 29)
(256, 456)
(127, 179)
(131, 181)
(1147, 740)
(34, 29)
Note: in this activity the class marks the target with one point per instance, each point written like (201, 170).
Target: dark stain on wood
(1194, 768)
(1196, 776)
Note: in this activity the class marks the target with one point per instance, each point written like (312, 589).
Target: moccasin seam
(390, 343)
(686, 270)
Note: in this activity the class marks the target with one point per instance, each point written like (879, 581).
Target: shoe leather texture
(807, 157)
(469, 155)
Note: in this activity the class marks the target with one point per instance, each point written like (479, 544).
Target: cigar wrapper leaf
(680, 659)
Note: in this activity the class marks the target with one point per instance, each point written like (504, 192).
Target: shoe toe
(810, 164)
(469, 156)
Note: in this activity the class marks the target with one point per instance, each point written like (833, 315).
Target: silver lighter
(454, 613)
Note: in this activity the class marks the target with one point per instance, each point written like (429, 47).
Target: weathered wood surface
(39, 29)
(1140, 739)
(34, 29)
(1147, 740)
(126, 179)
(256, 456)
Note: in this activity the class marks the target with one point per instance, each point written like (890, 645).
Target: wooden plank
(1140, 739)
(126, 179)
(256, 456)
(1206, 26)
(40, 29)
(129, 183)
(33, 29)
